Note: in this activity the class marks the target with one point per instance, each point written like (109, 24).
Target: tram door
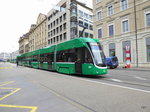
(50, 65)
(80, 59)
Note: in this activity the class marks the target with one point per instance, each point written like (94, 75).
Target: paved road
(25, 89)
(132, 78)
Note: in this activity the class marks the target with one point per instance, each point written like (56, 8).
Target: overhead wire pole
(136, 40)
(81, 35)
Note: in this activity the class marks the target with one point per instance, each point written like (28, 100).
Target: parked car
(112, 62)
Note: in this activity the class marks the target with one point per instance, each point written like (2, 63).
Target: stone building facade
(124, 23)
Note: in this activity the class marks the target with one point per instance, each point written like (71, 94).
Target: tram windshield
(98, 54)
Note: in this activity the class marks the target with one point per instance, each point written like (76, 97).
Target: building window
(54, 23)
(57, 38)
(112, 49)
(49, 27)
(99, 33)
(54, 39)
(51, 32)
(60, 28)
(73, 12)
(86, 25)
(65, 36)
(48, 42)
(49, 18)
(97, 1)
(80, 32)
(48, 34)
(90, 17)
(51, 41)
(148, 19)
(54, 31)
(111, 30)
(64, 25)
(80, 23)
(86, 15)
(60, 19)
(124, 4)
(91, 27)
(73, 33)
(57, 21)
(86, 34)
(99, 15)
(91, 35)
(148, 49)
(57, 30)
(124, 45)
(110, 10)
(80, 13)
(125, 26)
(61, 37)
(64, 16)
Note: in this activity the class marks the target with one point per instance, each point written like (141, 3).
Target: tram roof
(75, 43)
(47, 49)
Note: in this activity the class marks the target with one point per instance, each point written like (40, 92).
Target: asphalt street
(24, 89)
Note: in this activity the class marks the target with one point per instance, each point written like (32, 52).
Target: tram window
(59, 57)
(51, 57)
(73, 54)
(88, 57)
(35, 58)
(84, 55)
(41, 58)
(66, 56)
(48, 57)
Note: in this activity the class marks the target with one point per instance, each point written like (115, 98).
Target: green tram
(76, 56)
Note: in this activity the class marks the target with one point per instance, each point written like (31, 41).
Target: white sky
(17, 17)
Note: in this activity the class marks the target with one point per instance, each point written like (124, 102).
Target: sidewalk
(134, 68)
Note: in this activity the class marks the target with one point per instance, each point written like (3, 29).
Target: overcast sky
(17, 16)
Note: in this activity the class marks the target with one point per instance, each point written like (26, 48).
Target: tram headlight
(89, 66)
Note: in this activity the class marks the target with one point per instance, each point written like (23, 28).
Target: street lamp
(136, 41)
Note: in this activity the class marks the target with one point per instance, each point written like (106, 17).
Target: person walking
(17, 63)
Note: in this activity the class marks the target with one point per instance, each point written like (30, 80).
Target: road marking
(140, 78)
(116, 80)
(6, 67)
(130, 88)
(15, 90)
(33, 109)
(6, 83)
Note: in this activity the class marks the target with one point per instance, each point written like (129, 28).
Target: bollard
(128, 57)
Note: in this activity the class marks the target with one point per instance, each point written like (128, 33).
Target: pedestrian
(17, 62)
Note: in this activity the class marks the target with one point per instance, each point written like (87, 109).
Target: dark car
(112, 62)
